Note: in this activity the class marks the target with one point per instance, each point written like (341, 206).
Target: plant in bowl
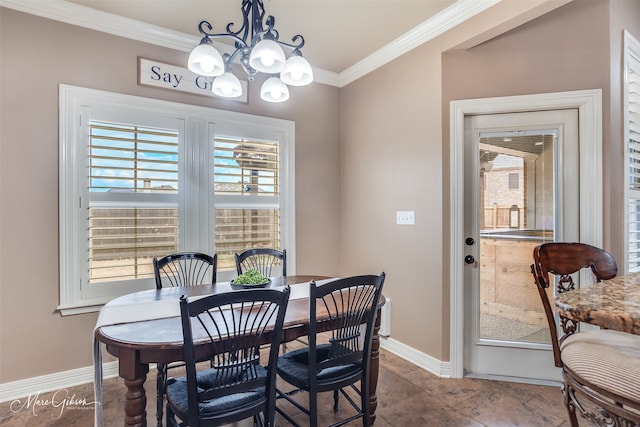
(251, 278)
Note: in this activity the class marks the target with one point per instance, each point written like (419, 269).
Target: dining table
(144, 327)
(610, 304)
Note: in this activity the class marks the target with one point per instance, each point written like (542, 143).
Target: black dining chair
(229, 329)
(264, 260)
(342, 316)
(185, 269)
(180, 269)
(600, 368)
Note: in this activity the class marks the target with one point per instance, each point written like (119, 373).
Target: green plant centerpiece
(251, 278)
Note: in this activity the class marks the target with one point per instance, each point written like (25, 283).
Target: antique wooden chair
(262, 259)
(229, 329)
(599, 368)
(180, 269)
(340, 357)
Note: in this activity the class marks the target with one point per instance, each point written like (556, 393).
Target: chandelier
(258, 50)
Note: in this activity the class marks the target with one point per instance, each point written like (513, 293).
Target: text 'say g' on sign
(154, 73)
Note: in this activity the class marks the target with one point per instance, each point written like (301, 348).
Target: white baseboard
(423, 360)
(52, 382)
(60, 380)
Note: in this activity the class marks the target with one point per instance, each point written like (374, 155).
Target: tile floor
(408, 396)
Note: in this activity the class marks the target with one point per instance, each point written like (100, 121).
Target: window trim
(200, 124)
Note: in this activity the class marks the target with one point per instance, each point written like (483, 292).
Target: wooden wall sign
(154, 73)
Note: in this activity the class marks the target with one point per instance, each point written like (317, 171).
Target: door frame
(589, 105)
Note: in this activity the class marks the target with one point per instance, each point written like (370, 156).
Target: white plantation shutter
(247, 203)
(246, 167)
(133, 187)
(632, 137)
(133, 158)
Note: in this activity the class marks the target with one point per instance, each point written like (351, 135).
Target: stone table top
(610, 304)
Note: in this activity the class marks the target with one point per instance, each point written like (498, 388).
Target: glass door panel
(516, 214)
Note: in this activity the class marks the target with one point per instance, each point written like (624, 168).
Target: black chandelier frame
(252, 27)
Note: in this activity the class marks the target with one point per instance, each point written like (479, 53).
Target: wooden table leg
(134, 374)
(374, 369)
(135, 413)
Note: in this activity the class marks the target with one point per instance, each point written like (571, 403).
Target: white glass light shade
(267, 57)
(226, 85)
(297, 71)
(274, 90)
(205, 60)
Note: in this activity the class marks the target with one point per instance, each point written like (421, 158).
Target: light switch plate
(405, 217)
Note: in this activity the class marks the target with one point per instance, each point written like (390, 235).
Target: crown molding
(82, 16)
(438, 24)
(109, 23)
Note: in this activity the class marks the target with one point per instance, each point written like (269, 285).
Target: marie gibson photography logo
(60, 401)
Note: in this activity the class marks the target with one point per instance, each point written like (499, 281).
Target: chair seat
(607, 359)
(293, 367)
(177, 394)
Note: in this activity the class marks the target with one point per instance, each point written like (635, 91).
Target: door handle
(469, 259)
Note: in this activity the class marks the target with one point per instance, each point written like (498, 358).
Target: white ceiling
(337, 33)
(344, 39)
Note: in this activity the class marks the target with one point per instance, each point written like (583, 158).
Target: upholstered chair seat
(606, 359)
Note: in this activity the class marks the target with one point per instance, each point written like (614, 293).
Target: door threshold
(504, 378)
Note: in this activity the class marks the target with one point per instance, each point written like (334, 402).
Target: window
(246, 177)
(133, 205)
(632, 138)
(514, 181)
(141, 178)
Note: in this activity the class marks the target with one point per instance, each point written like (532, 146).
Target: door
(521, 189)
